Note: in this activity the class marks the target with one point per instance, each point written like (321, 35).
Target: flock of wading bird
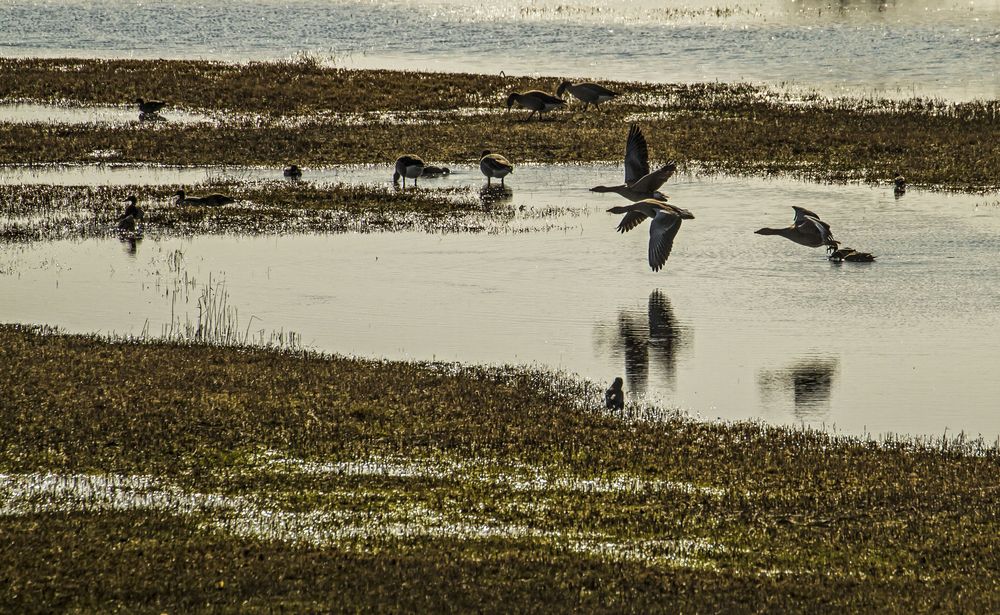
(641, 187)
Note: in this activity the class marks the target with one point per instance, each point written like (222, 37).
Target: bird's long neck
(615, 189)
(774, 231)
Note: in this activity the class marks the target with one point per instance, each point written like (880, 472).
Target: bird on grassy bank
(494, 165)
(807, 229)
(666, 221)
(408, 166)
(128, 222)
(587, 93)
(292, 171)
(433, 171)
(640, 184)
(851, 255)
(614, 397)
(213, 199)
(149, 107)
(899, 185)
(535, 100)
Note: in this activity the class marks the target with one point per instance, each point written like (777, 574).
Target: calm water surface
(737, 325)
(939, 48)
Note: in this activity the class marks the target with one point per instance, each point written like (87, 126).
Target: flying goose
(494, 165)
(208, 199)
(640, 184)
(666, 221)
(588, 93)
(536, 100)
(807, 229)
(408, 166)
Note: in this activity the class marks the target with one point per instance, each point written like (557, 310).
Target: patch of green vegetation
(42, 212)
(314, 115)
(264, 480)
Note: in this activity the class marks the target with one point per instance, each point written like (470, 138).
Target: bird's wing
(802, 212)
(636, 155)
(631, 220)
(810, 225)
(662, 231)
(497, 162)
(651, 182)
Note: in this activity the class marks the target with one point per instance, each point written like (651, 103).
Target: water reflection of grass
(137, 476)
(311, 114)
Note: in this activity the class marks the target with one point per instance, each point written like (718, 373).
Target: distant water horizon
(944, 50)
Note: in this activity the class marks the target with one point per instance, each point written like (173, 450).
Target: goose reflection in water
(651, 338)
(130, 243)
(810, 382)
(493, 195)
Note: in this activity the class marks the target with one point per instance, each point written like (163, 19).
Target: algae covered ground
(274, 113)
(144, 476)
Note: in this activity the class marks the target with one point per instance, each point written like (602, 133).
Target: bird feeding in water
(408, 166)
(494, 166)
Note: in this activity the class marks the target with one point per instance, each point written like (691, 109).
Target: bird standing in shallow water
(807, 229)
(129, 220)
(639, 183)
(433, 171)
(292, 171)
(614, 397)
(408, 166)
(899, 185)
(587, 93)
(536, 100)
(494, 165)
(666, 221)
(149, 107)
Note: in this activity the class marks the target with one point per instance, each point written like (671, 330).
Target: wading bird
(639, 184)
(807, 229)
(408, 166)
(292, 171)
(666, 221)
(494, 165)
(536, 100)
(614, 397)
(149, 107)
(128, 222)
(209, 199)
(433, 171)
(587, 93)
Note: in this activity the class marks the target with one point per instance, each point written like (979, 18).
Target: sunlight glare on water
(737, 325)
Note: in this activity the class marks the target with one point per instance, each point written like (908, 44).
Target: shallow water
(946, 49)
(737, 325)
(25, 113)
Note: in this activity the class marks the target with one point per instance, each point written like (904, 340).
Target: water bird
(536, 100)
(408, 166)
(587, 93)
(129, 220)
(899, 185)
(851, 255)
(807, 229)
(494, 165)
(149, 107)
(209, 199)
(666, 221)
(614, 397)
(292, 171)
(640, 184)
(433, 171)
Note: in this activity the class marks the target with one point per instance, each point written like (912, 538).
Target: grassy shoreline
(270, 480)
(360, 116)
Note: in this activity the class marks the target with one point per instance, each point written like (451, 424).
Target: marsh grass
(366, 116)
(150, 475)
(42, 212)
